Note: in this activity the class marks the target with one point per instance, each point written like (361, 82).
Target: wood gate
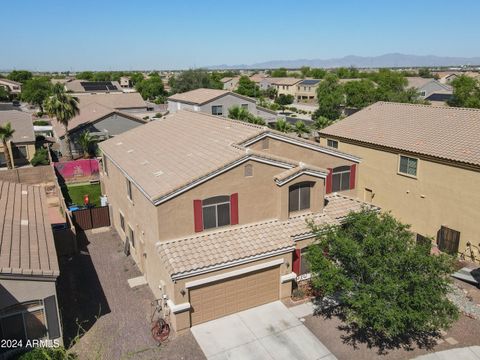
(448, 240)
(91, 218)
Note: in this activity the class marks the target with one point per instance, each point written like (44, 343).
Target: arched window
(216, 211)
(299, 196)
(341, 178)
(248, 170)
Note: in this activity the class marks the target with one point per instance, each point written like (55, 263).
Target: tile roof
(199, 96)
(77, 87)
(418, 82)
(443, 132)
(117, 101)
(21, 122)
(11, 82)
(236, 243)
(258, 77)
(88, 114)
(26, 238)
(288, 81)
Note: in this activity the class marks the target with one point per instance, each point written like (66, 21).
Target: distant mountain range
(387, 60)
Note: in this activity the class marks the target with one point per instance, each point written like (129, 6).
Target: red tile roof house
(28, 266)
(215, 210)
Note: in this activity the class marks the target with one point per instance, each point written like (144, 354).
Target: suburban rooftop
(202, 96)
(438, 131)
(113, 100)
(26, 241)
(168, 154)
(21, 122)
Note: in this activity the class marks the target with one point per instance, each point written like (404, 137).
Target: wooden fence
(91, 218)
(29, 175)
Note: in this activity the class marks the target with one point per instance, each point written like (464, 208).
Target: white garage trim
(234, 273)
(178, 308)
(288, 277)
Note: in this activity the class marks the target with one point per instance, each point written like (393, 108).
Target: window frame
(129, 190)
(330, 141)
(215, 205)
(40, 307)
(245, 106)
(399, 172)
(341, 173)
(131, 235)
(300, 186)
(248, 170)
(122, 221)
(216, 107)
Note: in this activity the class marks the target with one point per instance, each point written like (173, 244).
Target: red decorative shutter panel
(328, 182)
(234, 209)
(353, 169)
(296, 261)
(198, 215)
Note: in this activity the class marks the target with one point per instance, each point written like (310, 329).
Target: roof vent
(119, 143)
(144, 162)
(130, 151)
(158, 173)
(24, 222)
(24, 192)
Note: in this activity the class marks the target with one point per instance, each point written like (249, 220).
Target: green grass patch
(74, 193)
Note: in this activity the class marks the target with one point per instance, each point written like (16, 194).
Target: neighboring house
(285, 86)
(431, 89)
(257, 78)
(307, 90)
(126, 102)
(22, 144)
(230, 83)
(446, 77)
(101, 121)
(93, 87)
(13, 87)
(28, 267)
(125, 82)
(216, 102)
(422, 163)
(214, 210)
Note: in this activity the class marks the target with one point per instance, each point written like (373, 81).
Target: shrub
(41, 123)
(40, 157)
(40, 353)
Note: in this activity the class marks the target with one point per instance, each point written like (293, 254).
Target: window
(3, 161)
(19, 152)
(332, 143)
(129, 189)
(304, 265)
(265, 143)
(248, 170)
(299, 197)
(408, 166)
(217, 110)
(131, 235)
(216, 212)
(245, 106)
(341, 178)
(23, 321)
(122, 222)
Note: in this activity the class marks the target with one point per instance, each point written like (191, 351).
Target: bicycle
(160, 329)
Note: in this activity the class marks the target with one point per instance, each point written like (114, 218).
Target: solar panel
(98, 86)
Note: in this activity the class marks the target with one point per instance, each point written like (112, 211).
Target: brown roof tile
(443, 132)
(21, 122)
(117, 101)
(26, 238)
(199, 96)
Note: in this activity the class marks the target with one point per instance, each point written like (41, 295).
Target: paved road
(269, 331)
(466, 353)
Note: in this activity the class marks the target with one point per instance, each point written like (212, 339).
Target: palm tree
(6, 133)
(238, 113)
(321, 122)
(282, 125)
(86, 141)
(300, 128)
(63, 107)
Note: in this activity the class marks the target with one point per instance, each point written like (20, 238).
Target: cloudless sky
(140, 34)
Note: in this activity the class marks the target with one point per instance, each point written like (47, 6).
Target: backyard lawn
(74, 193)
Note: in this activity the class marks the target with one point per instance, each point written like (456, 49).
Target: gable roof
(11, 82)
(114, 100)
(78, 86)
(287, 81)
(89, 114)
(309, 82)
(229, 246)
(438, 131)
(419, 82)
(21, 122)
(26, 237)
(202, 96)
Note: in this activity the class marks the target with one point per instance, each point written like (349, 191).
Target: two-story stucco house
(285, 86)
(22, 144)
(214, 210)
(431, 90)
(230, 83)
(307, 90)
(422, 163)
(217, 102)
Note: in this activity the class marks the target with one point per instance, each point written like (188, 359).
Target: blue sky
(141, 34)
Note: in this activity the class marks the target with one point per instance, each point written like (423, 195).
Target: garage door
(232, 295)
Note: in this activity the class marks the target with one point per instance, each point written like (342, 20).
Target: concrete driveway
(269, 331)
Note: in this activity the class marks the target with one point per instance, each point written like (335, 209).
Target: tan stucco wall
(440, 195)
(30, 150)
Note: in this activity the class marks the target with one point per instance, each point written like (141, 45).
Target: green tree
(64, 108)
(36, 90)
(247, 87)
(136, 78)
(305, 71)
(4, 95)
(282, 72)
(318, 73)
(270, 92)
(86, 142)
(20, 76)
(425, 73)
(466, 92)
(193, 79)
(85, 75)
(40, 157)
(282, 125)
(389, 83)
(6, 133)
(238, 113)
(321, 122)
(284, 100)
(330, 98)
(387, 285)
(151, 88)
(359, 93)
(300, 128)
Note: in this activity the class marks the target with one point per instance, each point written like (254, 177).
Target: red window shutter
(328, 182)
(353, 169)
(198, 215)
(296, 261)
(234, 209)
